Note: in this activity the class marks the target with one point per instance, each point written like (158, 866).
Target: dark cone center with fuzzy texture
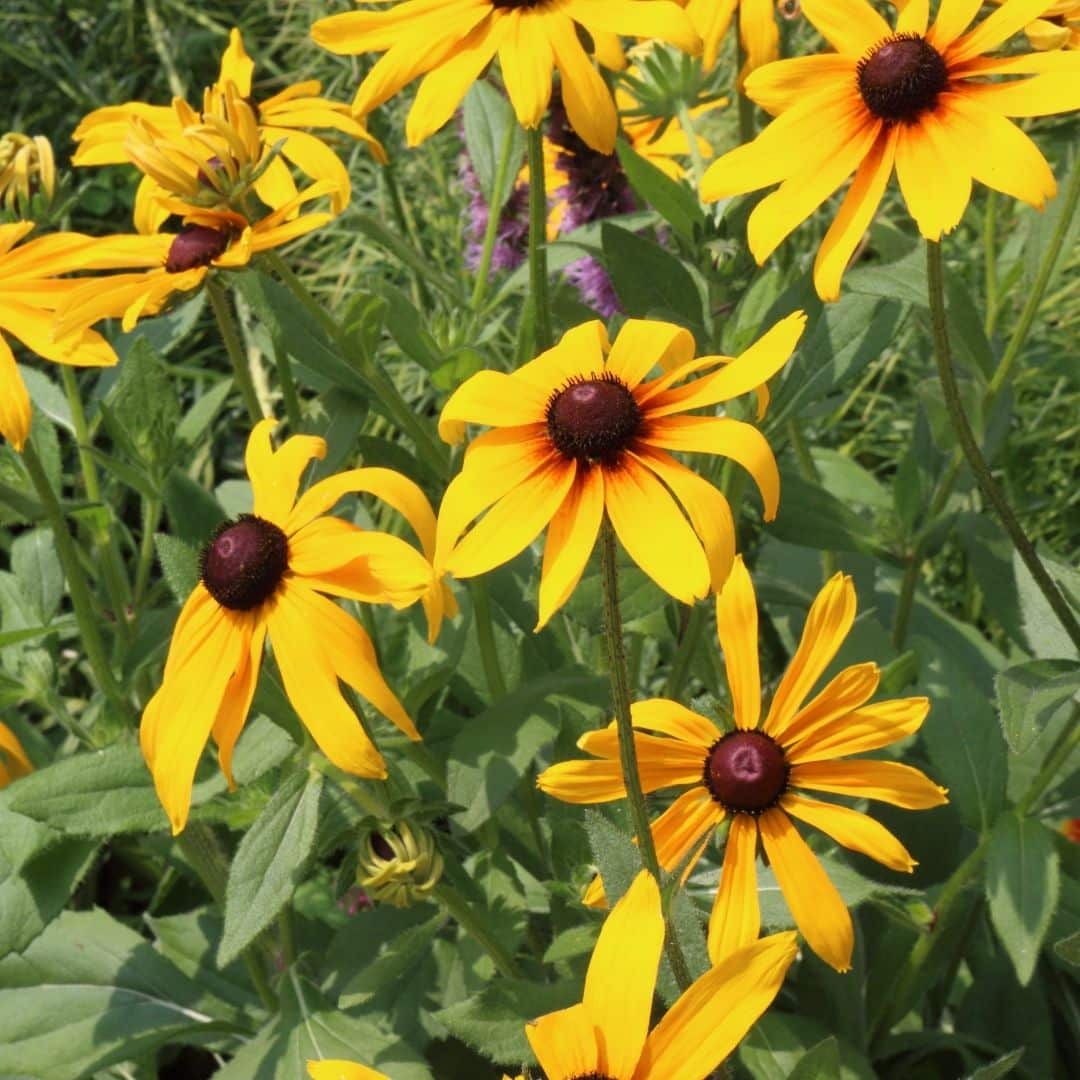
(197, 245)
(593, 419)
(380, 846)
(901, 78)
(746, 772)
(244, 562)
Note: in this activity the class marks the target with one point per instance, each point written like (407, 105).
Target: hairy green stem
(151, 516)
(202, 849)
(620, 692)
(460, 910)
(485, 637)
(407, 227)
(538, 269)
(977, 463)
(289, 397)
(1038, 288)
(745, 105)
(697, 162)
(990, 260)
(491, 231)
(292, 281)
(230, 335)
(81, 601)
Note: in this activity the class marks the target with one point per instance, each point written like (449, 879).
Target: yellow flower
(30, 291)
(264, 573)
(342, 1070)
(179, 262)
(915, 98)
(607, 1035)
(450, 42)
(26, 165)
(280, 120)
(580, 432)
(13, 760)
(757, 29)
(751, 776)
(1058, 27)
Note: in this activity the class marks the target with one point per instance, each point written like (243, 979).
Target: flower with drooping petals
(265, 573)
(928, 102)
(752, 776)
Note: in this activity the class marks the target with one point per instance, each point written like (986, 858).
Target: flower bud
(398, 864)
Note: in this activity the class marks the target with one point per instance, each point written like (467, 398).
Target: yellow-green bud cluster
(398, 864)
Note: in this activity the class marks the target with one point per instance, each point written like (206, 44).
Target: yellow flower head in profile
(928, 102)
(342, 1070)
(27, 165)
(175, 263)
(266, 573)
(248, 126)
(580, 432)
(751, 777)
(30, 291)
(450, 42)
(607, 1035)
(13, 760)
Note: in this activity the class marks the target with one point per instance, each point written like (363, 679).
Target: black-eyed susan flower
(580, 432)
(928, 102)
(30, 291)
(757, 29)
(342, 1070)
(266, 573)
(105, 137)
(607, 1036)
(452, 41)
(179, 262)
(752, 777)
(13, 760)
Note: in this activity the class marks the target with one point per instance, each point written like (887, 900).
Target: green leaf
(1022, 884)
(812, 517)
(198, 418)
(87, 993)
(1068, 949)
(903, 280)
(493, 1022)
(193, 512)
(1042, 628)
(1002, 1066)
(615, 855)
(270, 861)
(778, 1043)
(1029, 695)
(394, 959)
(144, 404)
(35, 563)
(179, 563)
(820, 1062)
(308, 1028)
(164, 332)
(110, 791)
(675, 202)
(488, 117)
(493, 751)
(47, 396)
(650, 281)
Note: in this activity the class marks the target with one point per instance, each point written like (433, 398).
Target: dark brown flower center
(901, 77)
(746, 772)
(593, 419)
(196, 245)
(244, 561)
(380, 846)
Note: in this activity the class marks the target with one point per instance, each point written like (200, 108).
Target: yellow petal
(233, 711)
(526, 63)
(275, 477)
(923, 150)
(494, 399)
(886, 781)
(311, 685)
(13, 759)
(315, 159)
(850, 26)
(913, 17)
(236, 65)
(621, 976)
(706, 507)
(735, 920)
(735, 439)
(570, 539)
(671, 718)
(711, 19)
(643, 344)
(660, 20)
(758, 34)
(852, 830)
(711, 1018)
(579, 352)
(1044, 95)
(781, 86)
(827, 624)
(513, 522)
(816, 906)
(868, 728)
(953, 18)
(686, 824)
(997, 27)
(737, 630)
(852, 687)
(342, 1070)
(855, 215)
(589, 107)
(566, 1043)
(654, 532)
(14, 400)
